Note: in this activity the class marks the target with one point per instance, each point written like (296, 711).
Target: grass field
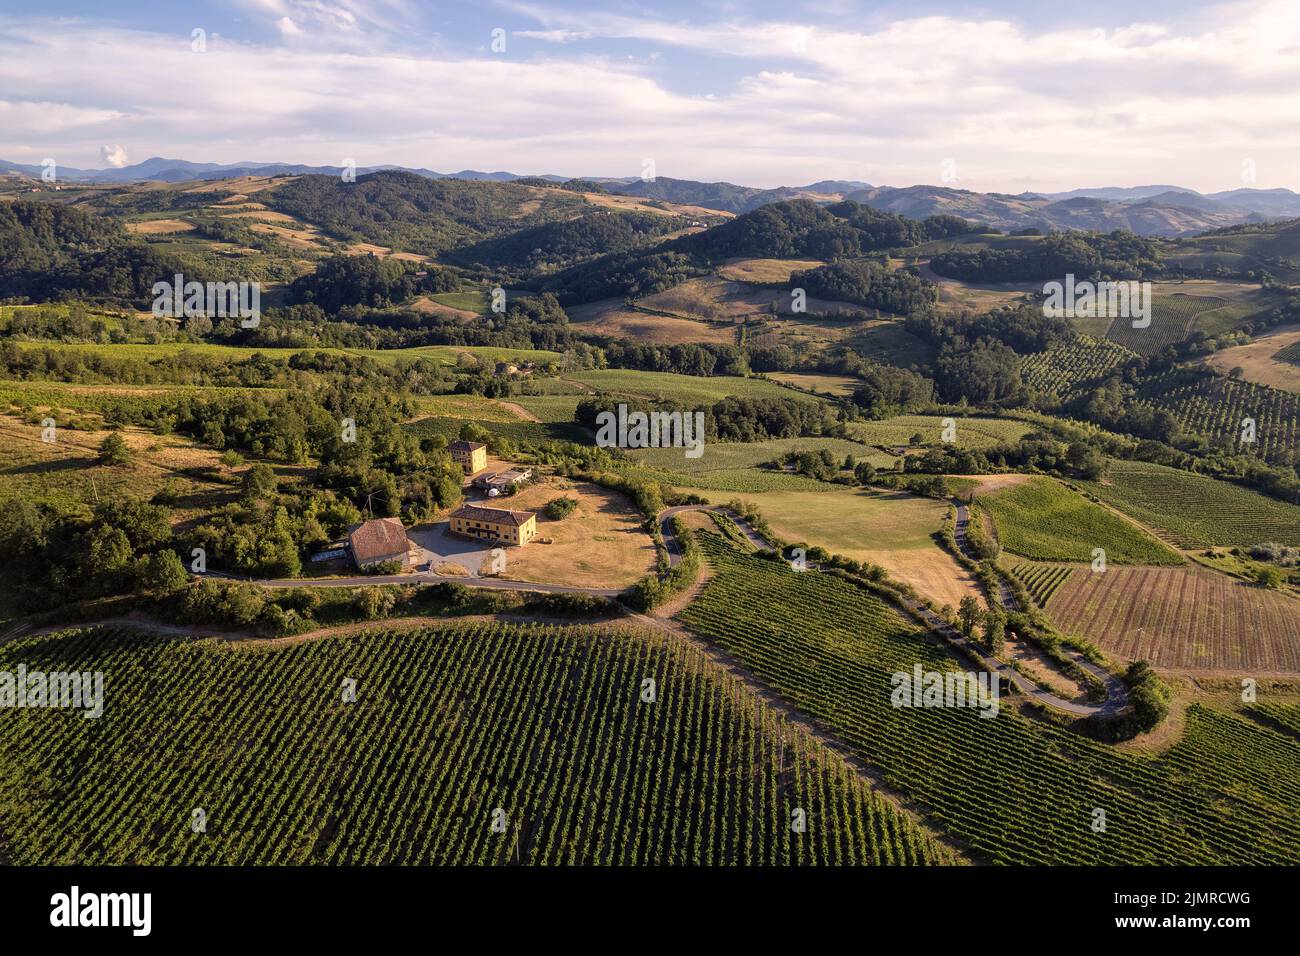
(681, 388)
(725, 456)
(519, 429)
(472, 301)
(891, 529)
(1187, 618)
(840, 386)
(1272, 359)
(602, 544)
(1195, 510)
(538, 729)
(1046, 521)
(97, 398)
(727, 466)
(1013, 790)
(613, 318)
(67, 473)
(971, 432)
(765, 270)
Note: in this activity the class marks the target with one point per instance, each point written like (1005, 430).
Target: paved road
(425, 578)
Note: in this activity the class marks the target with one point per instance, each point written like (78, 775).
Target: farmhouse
(502, 480)
(470, 455)
(377, 541)
(494, 524)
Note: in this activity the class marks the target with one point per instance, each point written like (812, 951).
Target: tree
(161, 573)
(231, 459)
(995, 632)
(106, 552)
(969, 615)
(260, 483)
(472, 431)
(864, 473)
(1088, 463)
(113, 450)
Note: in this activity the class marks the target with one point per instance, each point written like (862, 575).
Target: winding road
(1116, 691)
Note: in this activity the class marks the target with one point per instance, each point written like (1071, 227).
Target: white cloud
(288, 28)
(553, 36)
(115, 156)
(1016, 108)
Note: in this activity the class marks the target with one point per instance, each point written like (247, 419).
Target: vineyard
(1081, 363)
(1195, 510)
(747, 481)
(1042, 580)
(969, 432)
(1285, 715)
(1016, 791)
(1216, 407)
(719, 456)
(1182, 618)
(1043, 520)
(1290, 354)
(1171, 316)
(546, 725)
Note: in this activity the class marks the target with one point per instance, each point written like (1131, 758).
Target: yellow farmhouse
(494, 524)
(470, 455)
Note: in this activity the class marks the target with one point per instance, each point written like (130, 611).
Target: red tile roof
(378, 538)
(494, 515)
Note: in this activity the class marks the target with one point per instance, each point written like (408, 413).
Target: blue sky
(1001, 96)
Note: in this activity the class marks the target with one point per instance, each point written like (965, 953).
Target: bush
(372, 603)
(114, 450)
(1269, 577)
(559, 508)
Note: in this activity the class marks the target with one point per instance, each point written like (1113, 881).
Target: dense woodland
(563, 252)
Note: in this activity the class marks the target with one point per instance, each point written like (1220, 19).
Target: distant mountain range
(1159, 210)
(158, 169)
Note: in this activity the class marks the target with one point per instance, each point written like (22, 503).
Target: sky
(1001, 96)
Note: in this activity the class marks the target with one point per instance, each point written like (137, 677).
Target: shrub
(559, 508)
(114, 450)
(373, 602)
